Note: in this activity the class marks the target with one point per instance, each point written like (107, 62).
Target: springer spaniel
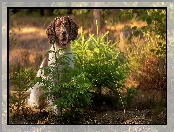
(60, 32)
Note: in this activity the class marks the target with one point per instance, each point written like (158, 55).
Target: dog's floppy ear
(51, 33)
(73, 30)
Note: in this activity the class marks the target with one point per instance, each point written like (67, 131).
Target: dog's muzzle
(64, 37)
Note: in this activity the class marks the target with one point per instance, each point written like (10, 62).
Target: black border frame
(8, 8)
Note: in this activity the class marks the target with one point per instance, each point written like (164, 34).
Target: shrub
(20, 81)
(98, 64)
(130, 95)
(104, 65)
(70, 87)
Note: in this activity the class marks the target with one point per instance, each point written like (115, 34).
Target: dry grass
(27, 44)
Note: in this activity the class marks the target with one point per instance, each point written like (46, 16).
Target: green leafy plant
(70, 87)
(20, 81)
(158, 110)
(105, 66)
(155, 29)
(131, 93)
(152, 46)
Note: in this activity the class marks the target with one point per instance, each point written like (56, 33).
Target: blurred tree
(97, 17)
(47, 12)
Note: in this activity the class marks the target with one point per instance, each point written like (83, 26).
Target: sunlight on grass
(29, 29)
(120, 26)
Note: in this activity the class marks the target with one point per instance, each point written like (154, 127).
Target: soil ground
(92, 115)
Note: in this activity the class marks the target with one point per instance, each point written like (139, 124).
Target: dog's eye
(66, 23)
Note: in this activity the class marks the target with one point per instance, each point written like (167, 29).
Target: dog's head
(62, 30)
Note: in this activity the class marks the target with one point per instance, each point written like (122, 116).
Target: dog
(60, 32)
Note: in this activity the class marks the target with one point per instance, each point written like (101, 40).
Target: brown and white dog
(60, 32)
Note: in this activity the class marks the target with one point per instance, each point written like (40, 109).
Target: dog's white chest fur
(35, 91)
(51, 57)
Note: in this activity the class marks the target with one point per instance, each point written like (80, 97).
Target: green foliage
(156, 20)
(20, 81)
(131, 93)
(70, 87)
(154, 31)
(149, 50)
(98, 64)
(104, 64)
(62, 11)
(127, 100)
(74, 11)
(80, 11)
(158, 110)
